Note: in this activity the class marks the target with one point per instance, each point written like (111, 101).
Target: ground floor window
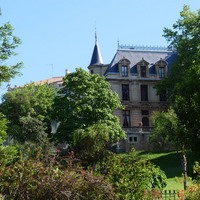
(133, 139)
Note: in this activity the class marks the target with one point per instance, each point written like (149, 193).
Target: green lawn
(170, 163)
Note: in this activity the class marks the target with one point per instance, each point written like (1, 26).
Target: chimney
(67, 72)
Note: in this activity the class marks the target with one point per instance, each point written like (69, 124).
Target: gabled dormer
(143, 69)
(124, 67)
(161, 68)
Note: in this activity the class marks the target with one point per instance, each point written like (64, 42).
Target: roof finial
(95, 35)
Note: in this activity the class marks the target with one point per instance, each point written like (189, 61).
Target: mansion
(132, 74)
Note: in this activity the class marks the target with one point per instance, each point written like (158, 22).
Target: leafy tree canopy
(28, 109)
(8, 43)
(87, 100)
(183, 83)
(168, 133)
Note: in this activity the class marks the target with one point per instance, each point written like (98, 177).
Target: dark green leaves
(183, 83)
(29, 111)
(87, 101)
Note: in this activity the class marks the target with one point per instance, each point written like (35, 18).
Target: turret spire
(96, 56)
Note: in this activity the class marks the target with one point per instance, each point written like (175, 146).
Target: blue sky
(59, 34)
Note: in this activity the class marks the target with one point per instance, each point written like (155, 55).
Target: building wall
(98, 69)
(135, 106)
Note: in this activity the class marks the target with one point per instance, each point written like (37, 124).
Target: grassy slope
(170, 163)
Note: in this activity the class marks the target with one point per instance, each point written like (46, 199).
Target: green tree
(28, 109)
(183, 83)
(167, 132)
(8, 43)
(85, 110)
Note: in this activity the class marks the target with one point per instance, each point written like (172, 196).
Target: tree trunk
(184, 165)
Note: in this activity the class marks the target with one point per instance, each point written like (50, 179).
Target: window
(125, 92)
(126, 118)
(161, 72)
(91, 71)
(161, 68)
(123, 65)
(143, 71)
(124, 70)
(145, 121)
(142, 67)
(133, 139)
(144, 92)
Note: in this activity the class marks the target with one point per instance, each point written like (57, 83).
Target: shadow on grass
(170, 163)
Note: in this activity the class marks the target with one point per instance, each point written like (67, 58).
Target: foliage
(183, 83)
(8, 43)
(7, 153)
(93, 142)
(86, 106)
(28, 110)
(167, 132)
(33, 180)
(3, 125)
(131, 176)
(192, 193)
(196, 172)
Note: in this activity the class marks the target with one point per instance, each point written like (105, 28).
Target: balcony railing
(138, 129)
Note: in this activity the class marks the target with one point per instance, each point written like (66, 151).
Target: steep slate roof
(96, 56)
(135, 56)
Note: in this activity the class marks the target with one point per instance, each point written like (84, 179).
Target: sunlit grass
(171, 164)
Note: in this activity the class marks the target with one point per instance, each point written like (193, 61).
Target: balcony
(138, 129)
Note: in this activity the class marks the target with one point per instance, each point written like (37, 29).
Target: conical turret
(96, 56)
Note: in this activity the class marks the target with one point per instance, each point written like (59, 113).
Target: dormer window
(143, 71)
(161, 68)
(143, 68)
(123, 65)
(124, 70)
(161, 72)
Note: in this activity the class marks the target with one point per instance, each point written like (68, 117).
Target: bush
(33, 180)
(196, 172)
(192, 193)
(131, 176)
